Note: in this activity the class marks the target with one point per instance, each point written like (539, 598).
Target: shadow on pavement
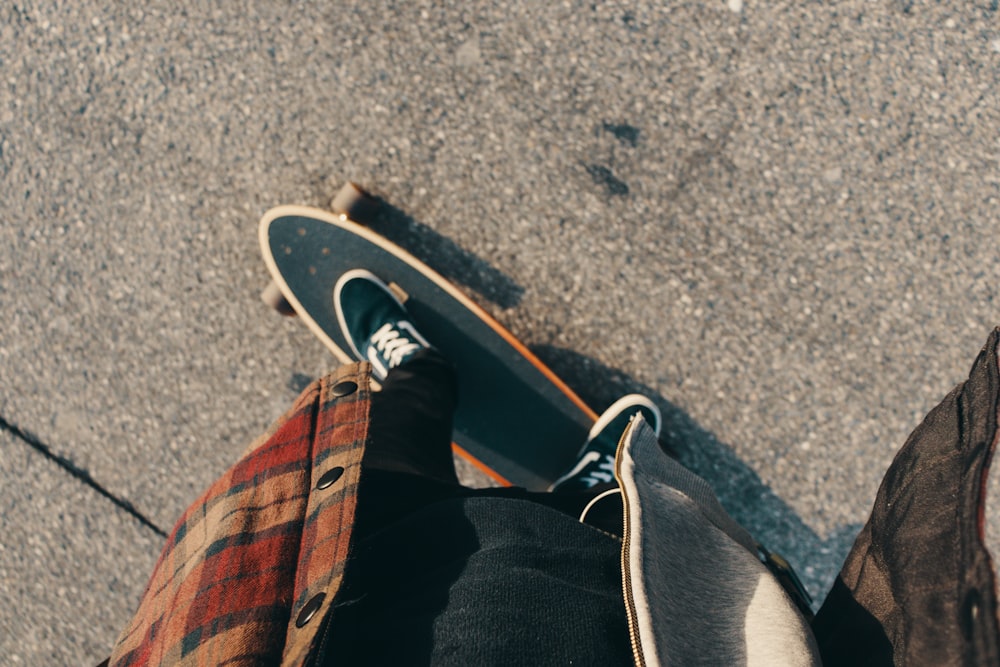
(442, 254)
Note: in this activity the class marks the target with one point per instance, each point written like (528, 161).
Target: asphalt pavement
(777, 219)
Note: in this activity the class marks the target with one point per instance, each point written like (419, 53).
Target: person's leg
(408, 460)
(411, 419)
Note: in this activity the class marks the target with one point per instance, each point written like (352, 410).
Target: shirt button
(310, 610)
(329, 477)
(345, 388)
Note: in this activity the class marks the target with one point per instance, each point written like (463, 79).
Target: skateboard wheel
(355, 203)
(273, 297)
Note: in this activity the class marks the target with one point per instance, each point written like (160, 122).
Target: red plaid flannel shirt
(264, 546)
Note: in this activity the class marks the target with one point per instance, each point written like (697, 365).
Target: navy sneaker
(596, 464)
(374, 322)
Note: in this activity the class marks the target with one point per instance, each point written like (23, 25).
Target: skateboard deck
(516, 420)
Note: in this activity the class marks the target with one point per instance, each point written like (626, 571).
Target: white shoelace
(605, 472)
(393, 345)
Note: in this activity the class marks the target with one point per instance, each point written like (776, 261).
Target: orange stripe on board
(480, 466)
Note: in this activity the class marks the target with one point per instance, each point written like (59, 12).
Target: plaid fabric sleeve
(252, 565)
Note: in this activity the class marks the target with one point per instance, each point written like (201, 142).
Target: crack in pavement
(79, 473)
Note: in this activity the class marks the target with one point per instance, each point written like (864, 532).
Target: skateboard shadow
(816, 559)
(442, 254)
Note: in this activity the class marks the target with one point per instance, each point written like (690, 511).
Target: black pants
(408, 460)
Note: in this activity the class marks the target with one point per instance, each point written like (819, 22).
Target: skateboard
(516, 421)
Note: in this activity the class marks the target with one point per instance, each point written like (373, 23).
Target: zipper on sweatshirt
(630, 611)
